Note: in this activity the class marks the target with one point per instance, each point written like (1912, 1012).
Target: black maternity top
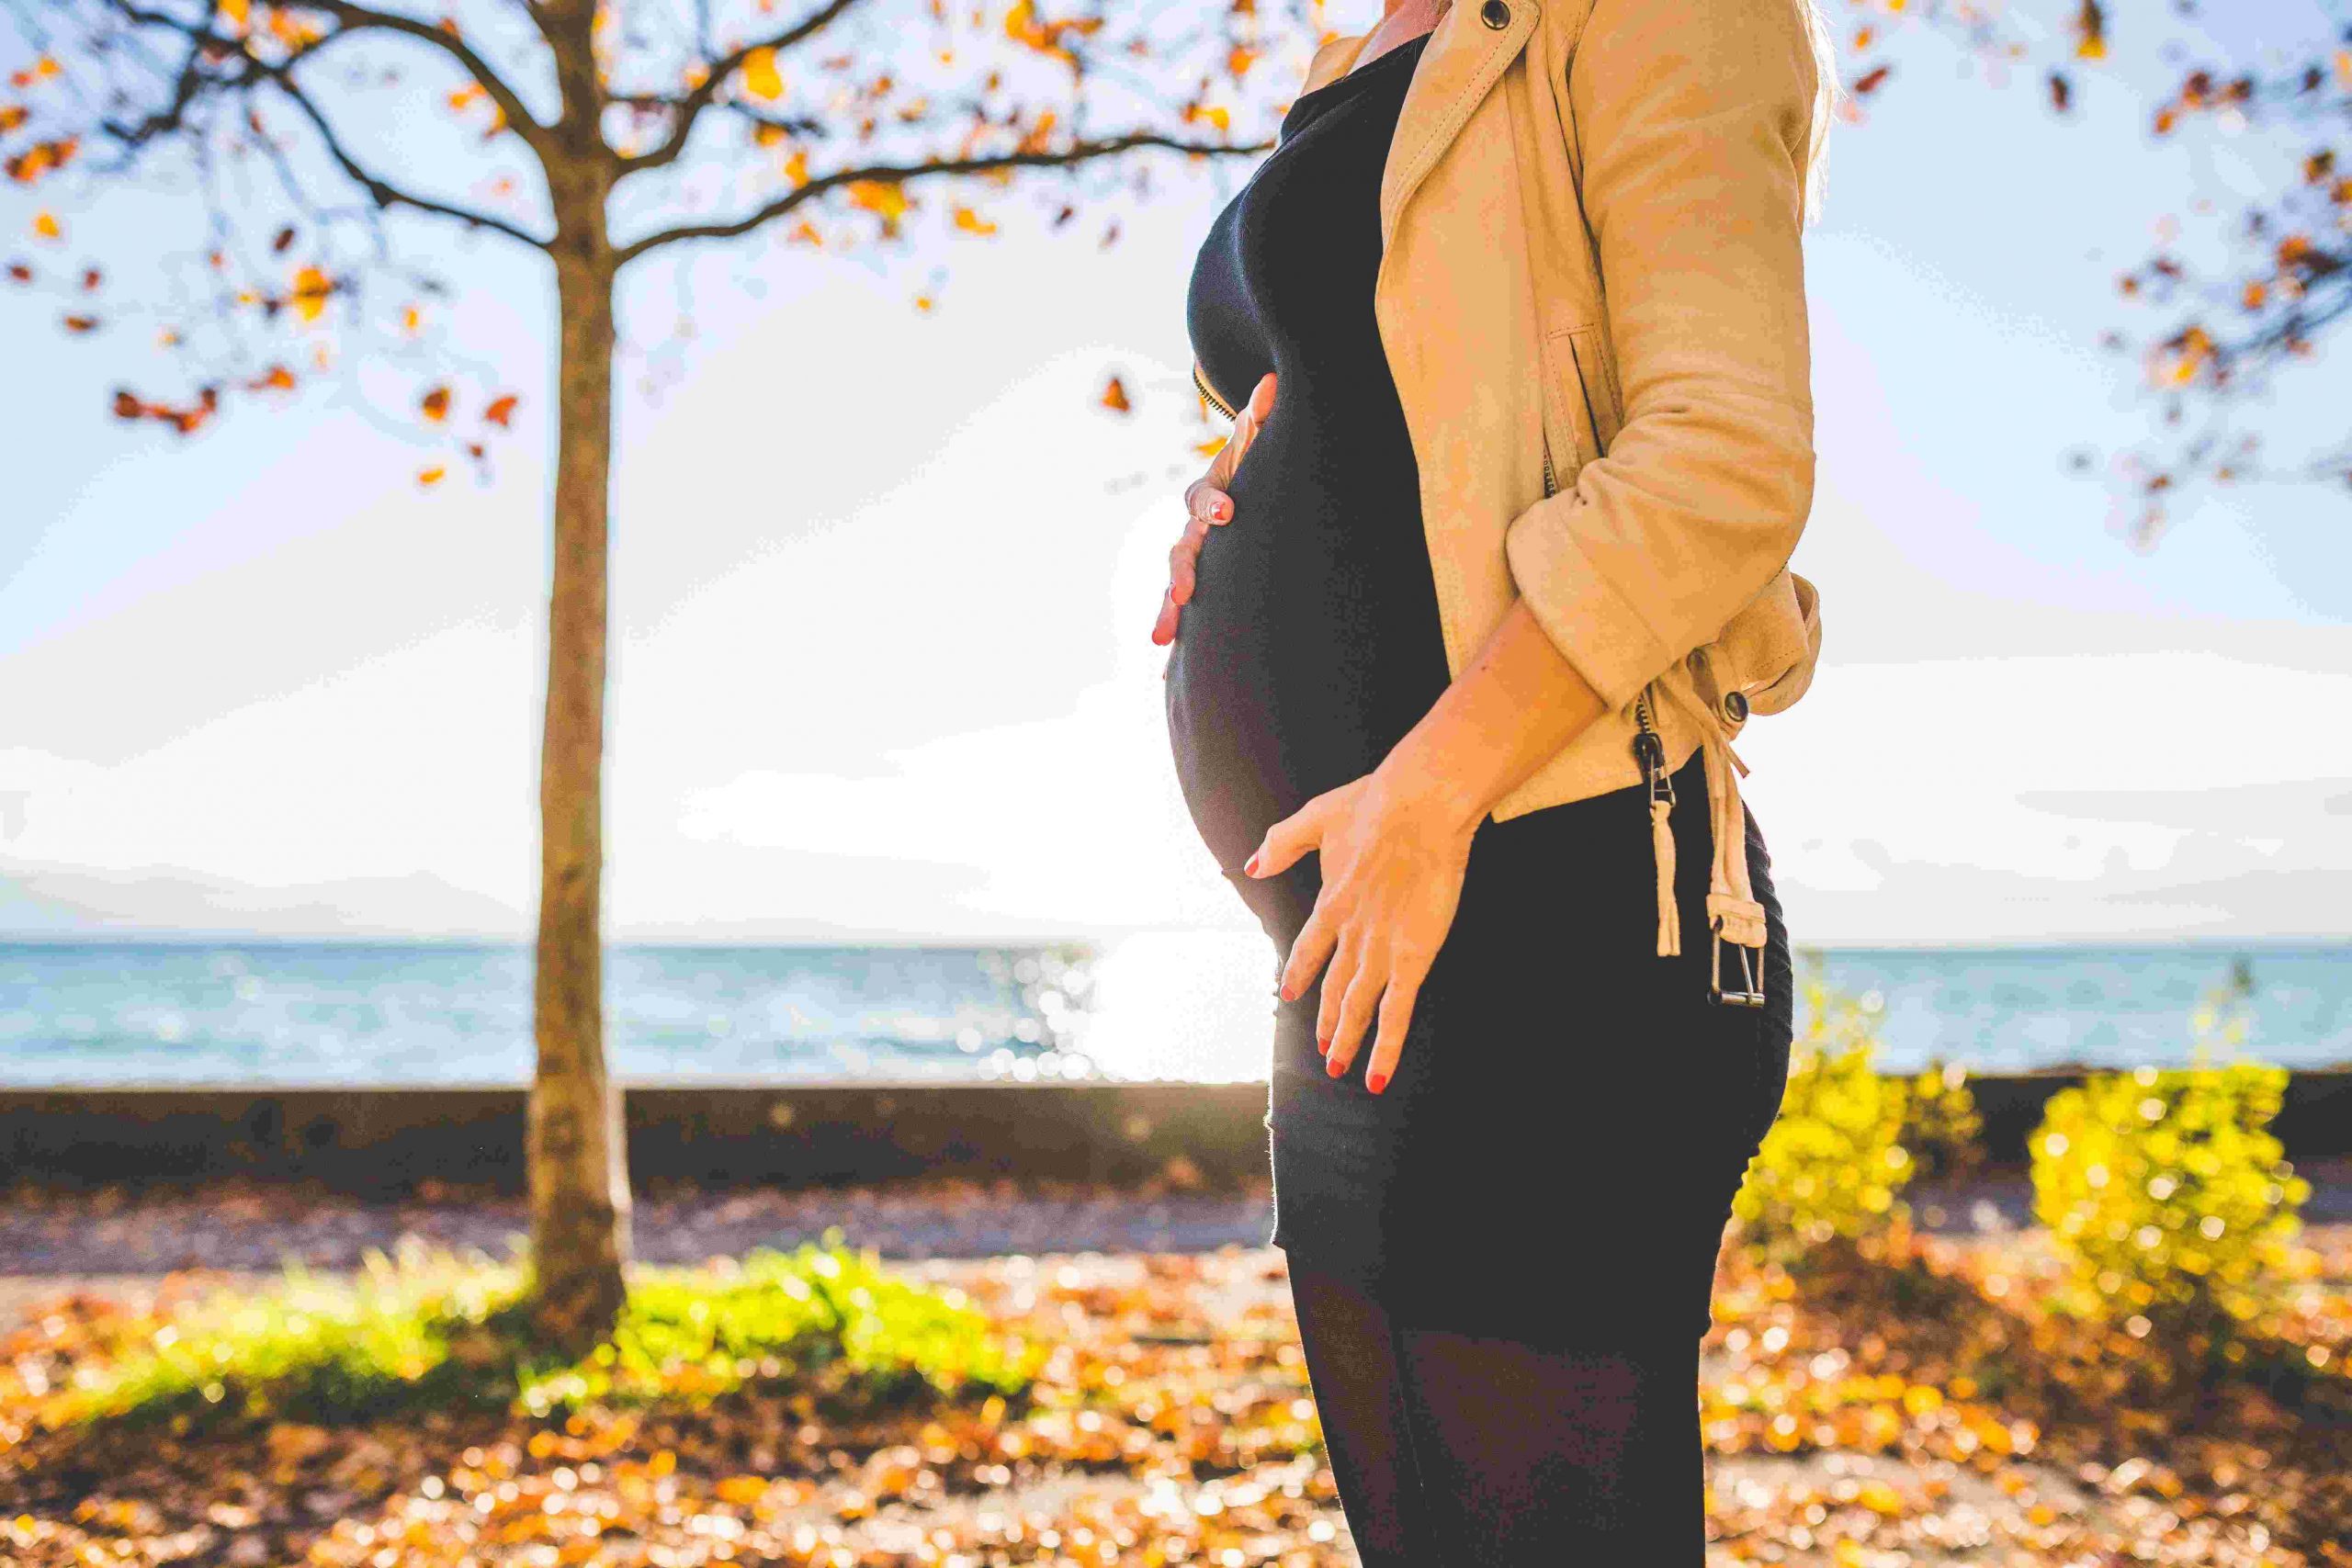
(1556, 1154)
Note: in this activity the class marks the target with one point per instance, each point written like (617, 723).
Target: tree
(2247, 301)
(319, 139)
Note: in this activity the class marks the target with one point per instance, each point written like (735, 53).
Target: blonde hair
(1825, 93)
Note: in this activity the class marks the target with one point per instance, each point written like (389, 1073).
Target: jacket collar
(1466, 55)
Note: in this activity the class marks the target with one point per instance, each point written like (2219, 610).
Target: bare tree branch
(280, 74)
(893, 174)
(356, 18)
(382, 192)
(689, 108)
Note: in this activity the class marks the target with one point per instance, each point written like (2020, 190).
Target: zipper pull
(1650, 750)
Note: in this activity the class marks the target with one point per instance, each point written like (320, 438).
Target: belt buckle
(1750, 991)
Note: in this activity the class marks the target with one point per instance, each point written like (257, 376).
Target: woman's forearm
(1508, 713)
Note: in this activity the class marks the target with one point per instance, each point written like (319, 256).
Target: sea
(1190, 1006)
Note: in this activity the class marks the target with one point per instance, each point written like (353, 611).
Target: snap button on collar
(1495, 14)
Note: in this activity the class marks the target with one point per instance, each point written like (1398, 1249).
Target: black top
(1312, 642)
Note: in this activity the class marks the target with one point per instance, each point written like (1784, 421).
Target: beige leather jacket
(1591, 297)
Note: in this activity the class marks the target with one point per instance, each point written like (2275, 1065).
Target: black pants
(1460, 1451)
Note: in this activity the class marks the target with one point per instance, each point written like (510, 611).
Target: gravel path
(119, 1244)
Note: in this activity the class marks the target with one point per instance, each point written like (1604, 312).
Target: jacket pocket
(1567, 428)
(1596, 384)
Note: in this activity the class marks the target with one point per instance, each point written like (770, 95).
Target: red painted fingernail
(1334, 1067)
(1322, 1047)
(1249, 866)
(1375, 1081)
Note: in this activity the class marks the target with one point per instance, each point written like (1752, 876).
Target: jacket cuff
(1597, 629)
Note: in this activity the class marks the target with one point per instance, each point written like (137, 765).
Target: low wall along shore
(389, 1142)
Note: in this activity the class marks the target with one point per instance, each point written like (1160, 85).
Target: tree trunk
(579, 1175)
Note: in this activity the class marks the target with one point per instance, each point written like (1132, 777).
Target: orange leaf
(1114, 396)
(80, 323)
(501, 412)
(887, 199)
(432, 476)
(435, 404)
(972, 222)
(46, 225)
(2090, 31)
(884, 197)
(760, 78)
(311, 288)
(40, 158)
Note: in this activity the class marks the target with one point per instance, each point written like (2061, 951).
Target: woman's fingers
(1361, 986)
(1315, 940)
(1396, 1015)
(1205, 500)
(1183, 557)
(1345, 953)
(1289, 839)
(1208, 507)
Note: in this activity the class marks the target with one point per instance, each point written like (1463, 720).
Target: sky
(883, 580)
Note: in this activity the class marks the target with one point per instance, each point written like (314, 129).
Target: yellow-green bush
(2169, 1196)
(1941, 1127)
(1835, 1163)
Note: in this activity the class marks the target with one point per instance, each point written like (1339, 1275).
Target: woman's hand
(1394, 845)
(1210, 507)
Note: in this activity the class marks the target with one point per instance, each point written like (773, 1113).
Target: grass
(434, 1331)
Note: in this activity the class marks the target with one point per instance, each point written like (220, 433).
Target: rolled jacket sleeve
(1693, 118)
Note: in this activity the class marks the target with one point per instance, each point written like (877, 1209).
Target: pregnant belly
(1310, 644)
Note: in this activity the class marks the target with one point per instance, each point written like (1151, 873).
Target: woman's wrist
(1513, 707)
(1416, 777)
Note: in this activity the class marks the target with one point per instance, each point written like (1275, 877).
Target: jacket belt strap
(1732, 907)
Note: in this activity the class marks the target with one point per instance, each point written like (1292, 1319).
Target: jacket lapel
(1464, 58)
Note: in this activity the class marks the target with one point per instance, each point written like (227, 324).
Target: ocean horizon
(188, 1009)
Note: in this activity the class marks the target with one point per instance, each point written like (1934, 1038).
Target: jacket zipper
(1208, 393)
(1649, 750)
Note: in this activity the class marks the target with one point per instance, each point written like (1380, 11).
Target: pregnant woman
(1490, 573)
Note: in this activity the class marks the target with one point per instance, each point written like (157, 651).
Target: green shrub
(2168, 1197)
(429, 1330)
(1834, 1165)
